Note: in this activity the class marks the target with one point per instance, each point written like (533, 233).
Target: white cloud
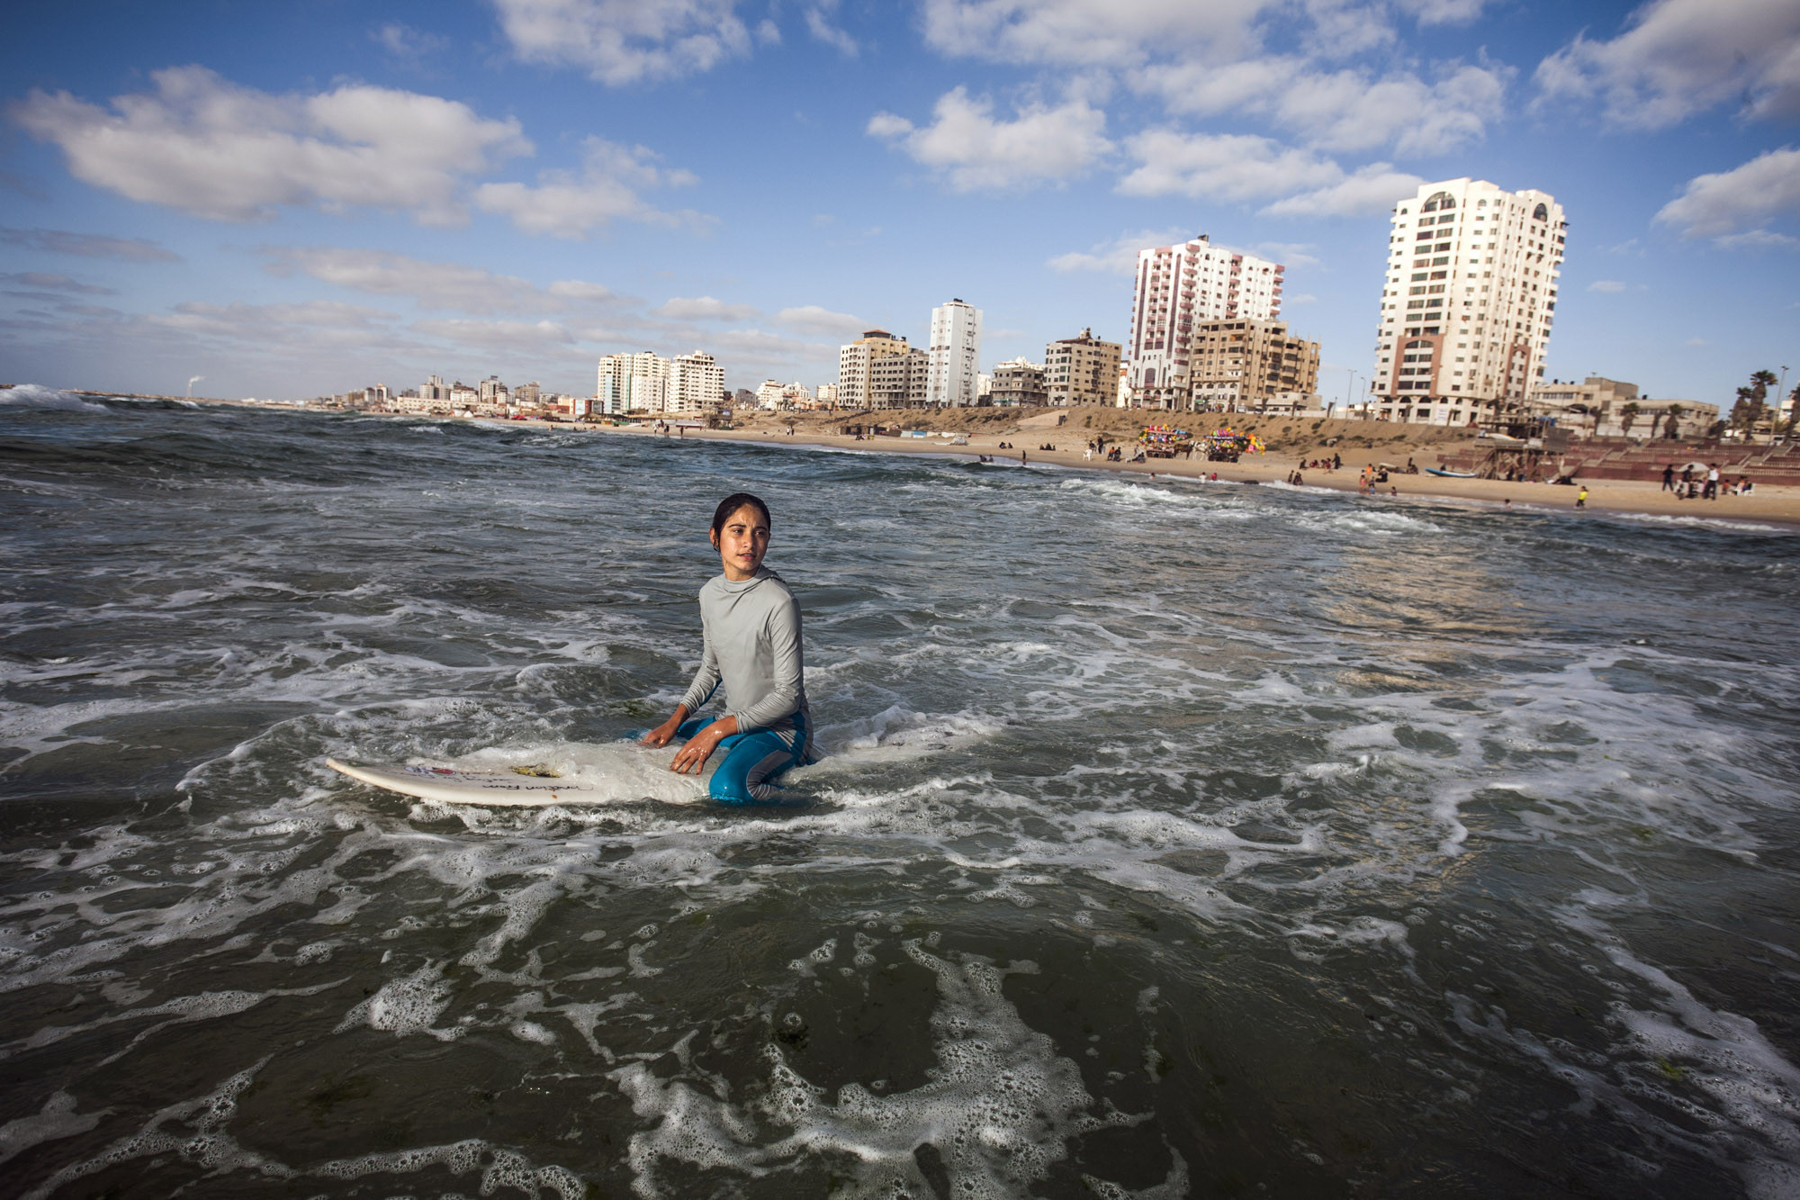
(1443, 12)
(974, 152)
(1341, 110)
(1222, 166)
(1744, 198)
(568, 205)
(317, 321)
(887, 125)
(1302, 298)
(818, 23)
(1370, 191)
(1758, 239)
(55, 283)
(501, 335)
(1112, 33)
(579, 289)
(87, 245)
(705, 308)
(811, 318)
(214, 149)
(1118, 256)
(1681, 57)
(1606, 285)
(409, 44)
(625, 41)
(1289, 254)
(440, 285)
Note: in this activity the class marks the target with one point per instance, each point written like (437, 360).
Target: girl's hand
(692, 757)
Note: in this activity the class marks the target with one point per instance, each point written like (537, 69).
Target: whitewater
(1172, 838)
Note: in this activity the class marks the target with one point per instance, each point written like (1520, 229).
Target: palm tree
(1752, 403)
(1628, 417)
(1672, 423)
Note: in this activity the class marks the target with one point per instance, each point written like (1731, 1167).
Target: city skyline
(285, 202)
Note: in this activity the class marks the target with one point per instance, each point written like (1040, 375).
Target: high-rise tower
(955, 355)
(1179, 287)
(1468, 304)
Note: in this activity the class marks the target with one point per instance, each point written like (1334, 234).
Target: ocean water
(1173, 838)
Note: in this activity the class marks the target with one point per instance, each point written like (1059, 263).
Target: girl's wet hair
(732, 503)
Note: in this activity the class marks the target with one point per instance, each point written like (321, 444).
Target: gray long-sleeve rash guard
(753, 645)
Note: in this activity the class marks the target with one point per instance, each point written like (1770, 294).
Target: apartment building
(1468, 303)
(1604, 407)
(1239, 366)
(1018, 382)
(955, 355)
(646, 382)
(696, 384)
(899, 380)
(1081, 370)
(855, 360)
(1179, 287)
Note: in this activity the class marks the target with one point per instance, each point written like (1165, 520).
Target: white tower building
(632, 383)
(696, 383)
(1468, 304)
(955, 355)
(1179, 287)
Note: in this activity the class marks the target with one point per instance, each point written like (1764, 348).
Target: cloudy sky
(289, 199)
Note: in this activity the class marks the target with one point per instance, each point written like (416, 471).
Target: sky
(287, 200)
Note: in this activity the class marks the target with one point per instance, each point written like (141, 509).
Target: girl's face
(742, 542)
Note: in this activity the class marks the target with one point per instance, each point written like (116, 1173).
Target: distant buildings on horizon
(1467, 304)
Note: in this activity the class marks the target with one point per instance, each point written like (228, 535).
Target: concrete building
(1245, 366)
(1019, 382)
(855, 360)
(1178, 287)
(769, 394)
(1468, 303)
(696, 384)
(1597, 407)
(632, 383)
(955, 355)
(827, 395)
(1081, 370)
(899, 380)
(646, 382)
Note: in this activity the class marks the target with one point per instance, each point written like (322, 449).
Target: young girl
(752, 636)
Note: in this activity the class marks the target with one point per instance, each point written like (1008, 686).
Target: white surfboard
(517, 787)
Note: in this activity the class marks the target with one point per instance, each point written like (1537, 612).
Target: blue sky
(304, 198)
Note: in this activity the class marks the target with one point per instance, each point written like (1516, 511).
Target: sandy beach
(1393, 444)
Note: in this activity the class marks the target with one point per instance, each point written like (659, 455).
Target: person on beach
(1581, 497)
(1668, 477)
(1712, 481)
(751, 626)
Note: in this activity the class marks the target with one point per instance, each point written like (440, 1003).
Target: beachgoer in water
(751, 624)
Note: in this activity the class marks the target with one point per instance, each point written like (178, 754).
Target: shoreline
(1772, 505)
